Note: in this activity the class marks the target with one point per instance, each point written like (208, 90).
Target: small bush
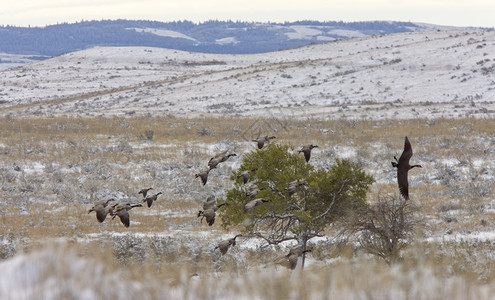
(385, 228)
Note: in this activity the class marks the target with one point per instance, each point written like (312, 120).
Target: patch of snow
(166, 212)
(325, 38)
(345, 152)
(227, 41)
(346, 33)
(34, 167)
(8, 60)
(450, 161)
(427, 26)
(458, 237)
(164, 33)
(301, 32)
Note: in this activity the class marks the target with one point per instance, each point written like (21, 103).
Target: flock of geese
(121, 209)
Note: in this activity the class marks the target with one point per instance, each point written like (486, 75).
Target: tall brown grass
(54, 168)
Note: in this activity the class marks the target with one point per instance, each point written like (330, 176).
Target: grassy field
(53, 169)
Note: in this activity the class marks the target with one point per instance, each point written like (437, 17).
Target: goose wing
(149, 201)
(210, 203)
(306, 150)
(261, 143)
(214, 161)
(293, 258)
(217, 158)
(221, 154)
(253, 203)
(204, 178)
(224, 246)
(124, 217)
(101, 214)
(225, 157)
(282, 260)
(297, 250)
(307, 154)
(144, 192)
(203, 175)
(252, 190)
(245, 176)
(406, 154)
(209, 214)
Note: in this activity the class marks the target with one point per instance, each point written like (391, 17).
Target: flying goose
(203, 175)
(245, 175)
(307, 151)
(294, 185)
(262, 140)
(149, 200)
(219, 158)
(209, 210)
(145, 191)
(403, 167)
(225, 245)
(209, 203)
(253, 203)
(252, 190)
(122, 210)
(290, 260)
(298, 250)
(102, 209)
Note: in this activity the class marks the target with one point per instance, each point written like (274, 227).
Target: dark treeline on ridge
(212, 36)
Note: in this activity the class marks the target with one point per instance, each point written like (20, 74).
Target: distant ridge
(209, 37)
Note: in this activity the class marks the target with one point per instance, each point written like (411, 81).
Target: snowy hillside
(407, 75)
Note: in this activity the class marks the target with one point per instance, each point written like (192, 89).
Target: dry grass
(360, 278)
(53, 169)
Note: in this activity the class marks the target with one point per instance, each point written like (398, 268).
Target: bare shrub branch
(384, 228)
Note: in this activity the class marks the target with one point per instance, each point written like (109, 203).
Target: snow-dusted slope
(406, 75)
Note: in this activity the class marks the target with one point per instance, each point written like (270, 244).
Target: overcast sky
(439, 12)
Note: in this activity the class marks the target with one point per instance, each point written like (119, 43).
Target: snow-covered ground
(9, 61)
(406, 75)
(164, 32)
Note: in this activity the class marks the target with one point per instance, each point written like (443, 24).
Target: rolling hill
(404, 75)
